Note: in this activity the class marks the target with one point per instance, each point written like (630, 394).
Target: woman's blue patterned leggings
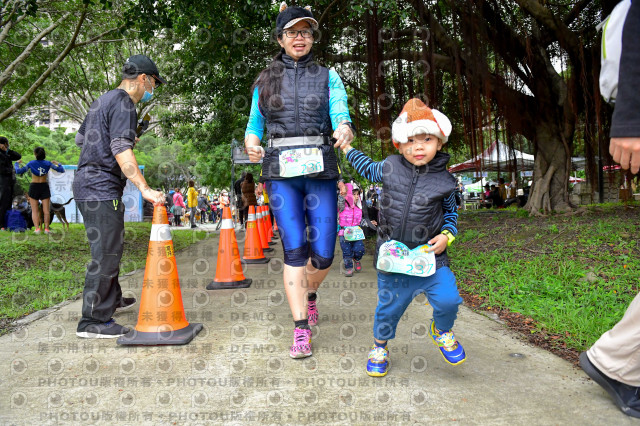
(305, 210)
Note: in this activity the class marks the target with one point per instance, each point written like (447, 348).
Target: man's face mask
(147, 96)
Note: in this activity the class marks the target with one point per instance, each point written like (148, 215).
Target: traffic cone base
(171, 337)
(255, 261)
(213, 285)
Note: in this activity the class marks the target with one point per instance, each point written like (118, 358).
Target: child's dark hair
(191, 183)
(249, 178)
(40, 153)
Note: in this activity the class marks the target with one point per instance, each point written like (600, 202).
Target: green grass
(573, 275)
(43, 270)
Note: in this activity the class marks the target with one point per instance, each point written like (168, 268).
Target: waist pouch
(353, 233)
(395, 257)
(273, 169)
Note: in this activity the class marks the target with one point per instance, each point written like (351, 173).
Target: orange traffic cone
(262, 230)
(274, 226)
(252, 246)
(267, 216)
(229, 269)
(265, 224)
(161, 320)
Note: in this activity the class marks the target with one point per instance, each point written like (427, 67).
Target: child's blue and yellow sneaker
(378, 364)
(450, 348)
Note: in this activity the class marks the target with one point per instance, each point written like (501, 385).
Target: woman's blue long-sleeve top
(38, 167)
(338, 107)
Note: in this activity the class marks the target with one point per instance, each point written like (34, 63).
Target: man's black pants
(6, 198)
(104, 223)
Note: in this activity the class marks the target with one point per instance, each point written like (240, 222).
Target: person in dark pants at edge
(248, 196)
(614, 360)
(237, 189)
(7, 178)
(107, 138)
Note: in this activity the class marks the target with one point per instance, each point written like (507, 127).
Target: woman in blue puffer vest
(302, 105)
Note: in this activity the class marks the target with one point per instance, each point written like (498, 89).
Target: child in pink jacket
(350, 214)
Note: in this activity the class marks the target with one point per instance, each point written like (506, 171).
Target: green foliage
(576, 282)
(41, 270)
(211, 52)
(24, 139)
(33, 56)
(168, 164)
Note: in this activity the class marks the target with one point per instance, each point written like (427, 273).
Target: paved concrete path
(238, 369)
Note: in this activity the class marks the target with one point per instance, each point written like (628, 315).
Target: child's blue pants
(351, 250)
(396, 291)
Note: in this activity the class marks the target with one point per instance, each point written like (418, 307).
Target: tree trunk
(550, 188)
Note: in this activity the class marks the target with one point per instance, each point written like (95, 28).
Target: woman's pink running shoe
(301, 347)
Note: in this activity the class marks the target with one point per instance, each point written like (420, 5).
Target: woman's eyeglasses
(294, 33)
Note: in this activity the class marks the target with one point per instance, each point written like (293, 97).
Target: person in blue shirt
(303, 105)
(39, 188)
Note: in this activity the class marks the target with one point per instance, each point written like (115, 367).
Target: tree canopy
(523, 71)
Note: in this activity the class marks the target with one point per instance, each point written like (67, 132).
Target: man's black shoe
(108, 330)
(626, 397)
(126, 302)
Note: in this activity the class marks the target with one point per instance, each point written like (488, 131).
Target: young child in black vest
(418, 220)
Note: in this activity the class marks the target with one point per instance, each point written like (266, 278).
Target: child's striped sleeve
(365, 166)
(450, 208)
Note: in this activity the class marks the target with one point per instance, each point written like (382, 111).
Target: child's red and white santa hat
(417, 118)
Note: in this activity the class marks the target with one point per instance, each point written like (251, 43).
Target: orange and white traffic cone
(161, 319)
(252, 246)
(229, 268)
(265, 224)
(267, 216)
(262, 230)
(272, 223)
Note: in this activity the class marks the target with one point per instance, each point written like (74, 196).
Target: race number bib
(301, 161)
(353, 233)
(396, 257)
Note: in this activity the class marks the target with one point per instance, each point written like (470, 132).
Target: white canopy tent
(496, 156)
(476, 186)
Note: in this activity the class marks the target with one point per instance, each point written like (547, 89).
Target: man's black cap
(292, 15)
(141, 64)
